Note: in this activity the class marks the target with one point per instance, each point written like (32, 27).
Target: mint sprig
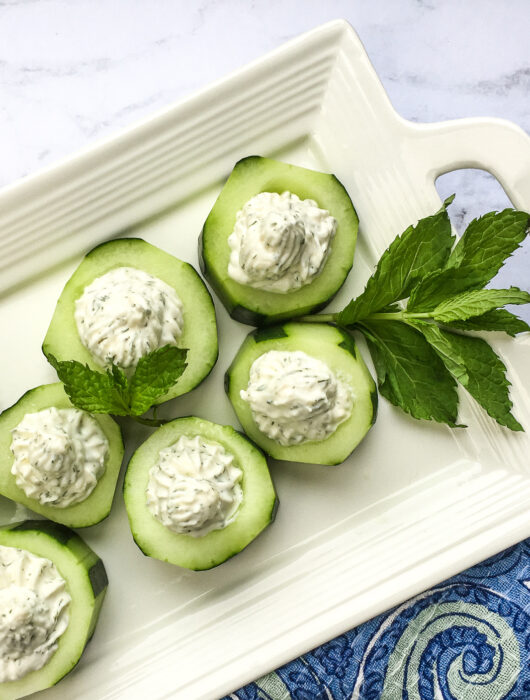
(113, 392)
(417, 306)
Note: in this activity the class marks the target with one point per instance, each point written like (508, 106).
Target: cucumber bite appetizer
(52, 586)
(279, 241)
(302, 392)
(197, 493)
(128, 298)
(58, 460)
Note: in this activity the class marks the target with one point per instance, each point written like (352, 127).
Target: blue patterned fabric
(466, 639)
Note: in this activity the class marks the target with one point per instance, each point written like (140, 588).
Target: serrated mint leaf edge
(459, 275)
(477, 302)
(384, 274)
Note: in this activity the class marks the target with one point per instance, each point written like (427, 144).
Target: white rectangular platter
(414, 504)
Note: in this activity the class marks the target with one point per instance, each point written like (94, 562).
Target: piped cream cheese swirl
(279, 242)
(59, 455)
(296, 398)
(194, 487)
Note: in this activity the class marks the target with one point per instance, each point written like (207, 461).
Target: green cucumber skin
(98, 577)
(307, 300)
(86, 561)
(212, 550)
(262, 334)
(272, 518)
(59, 532)
(236, 311)
(135, 252)
(96, 571)
(375, 405)
(79, 514)
(282, 337)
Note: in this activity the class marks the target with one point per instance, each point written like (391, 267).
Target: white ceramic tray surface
(413, 505)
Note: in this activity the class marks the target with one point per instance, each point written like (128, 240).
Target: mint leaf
(486, 373)
(488, 241)
(418, 251)
(476, 259)
(155, 374)
(90, 390)
(111, 391)
(410, 373)
(497, 320)
(477, 302)
(453, 361)
(119, 378)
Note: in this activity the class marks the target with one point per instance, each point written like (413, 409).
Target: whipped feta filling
(280, 242)
(295, 398)
(60, 454)
(33, 612)
(125, 314)
(194, 487)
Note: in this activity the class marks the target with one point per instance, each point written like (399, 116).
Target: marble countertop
(72, 72)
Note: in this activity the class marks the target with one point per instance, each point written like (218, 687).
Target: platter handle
(496, 145)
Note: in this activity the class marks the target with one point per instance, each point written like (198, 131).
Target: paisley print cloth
(466, 639)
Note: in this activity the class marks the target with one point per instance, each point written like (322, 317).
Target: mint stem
(389, 316)
(398, 316)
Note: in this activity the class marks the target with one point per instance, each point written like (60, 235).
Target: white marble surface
(72, 71)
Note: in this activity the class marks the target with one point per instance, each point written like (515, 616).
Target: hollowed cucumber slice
(86, 582)
(98, 504)
(338, 351)
(257, 509)
(199, 333)
(249, 177)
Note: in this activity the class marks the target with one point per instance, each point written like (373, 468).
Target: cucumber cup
(96, 506)
(338, 351)
(199, 332)
(254, 175)
(256, 510)
(86, 583)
